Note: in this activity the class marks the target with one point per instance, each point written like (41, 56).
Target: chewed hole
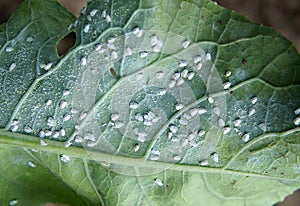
(7, 8)
(65, 44)
(74, 6)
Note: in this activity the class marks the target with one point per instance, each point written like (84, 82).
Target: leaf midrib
(30, 142)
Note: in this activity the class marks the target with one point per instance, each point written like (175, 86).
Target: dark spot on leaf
(233, 182)
(112, 71)
(219, 21)
(244, 61)
(64, 45)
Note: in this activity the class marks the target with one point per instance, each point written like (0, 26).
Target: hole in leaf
(7, 7)
(66, 44)
(74, 6)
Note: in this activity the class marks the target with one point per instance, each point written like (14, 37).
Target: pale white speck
(63, 132)
(118, 125)
(217, 111)
(63, 104)
(182, 64)
(29, 39)
(93, 12)
(77, 127)
(201, 133)
(103, 14)
(203, 163)
(89, 136)
(143, 54)
(13, 202)
(170, 135)
(211, 100)
(297, 121)
(184, 142)
(158, 182)
(228, 74)
(48, 102)
(66, 117)
(226, 130)
(159, 75)
(179, 106)
(176, 157)
(155, 119)
(99, 48)
(226, 85)
(176, 76)
(172, 84)
(14, 122)
(139, 76)
(43, 143)
(31, 164)
(74, 110)
(136, 147)
(82, 116)
(136, 30)
(12, 66)
(208, 56)
(111, 46)
(184, 73)
(183, 121)
(174, 139)
(221, 122)
(51, 122)
(185, 44)
(128, 51)
(48, 133)
(190, 75)
(55, 135)
(67, 143)
(28, 129)
(154, 40)
(237, 122)
(186, 116)
(180, 81)
(114, 117)
(139, 117)
(194, 111)
(197, 59)
(86, 28)
(141, 138)
(202, 111)
(297, 111)
(173, 129)
(9, 49)
(83, 61)
(246, 137)
(157, 48)
(114, 55)
(199, 66)
(254, 100)
(78, 139)
(191, 136)
(215, 157)
(66, 93)
(105, 164)
(48, 66)
(41, 134)
(148, 123)
(133, 105)
(14, 128)
(251, 112)
(108, 18)
(34, 150)
(162, 92)
(65, 158)
(263, 126)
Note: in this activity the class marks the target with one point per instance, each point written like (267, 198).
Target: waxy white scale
(31, 164)
(215, 157)
(13, 202)
(65, 158)
(12, 66)
(203, 163)
(185, 44)
(158, 182)
(251, 111)
(201, 133)
(226, 130)
(297, 111)
(136, 147)
(43, 143)
(228, 74)
(297, 121)
(226, 85)
(254, 100)
(143, 54)
(137, 32)
(86, 28)
(48, 102)
(246, 137)
(28, 129)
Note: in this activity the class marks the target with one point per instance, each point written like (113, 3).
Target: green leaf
(158, 103)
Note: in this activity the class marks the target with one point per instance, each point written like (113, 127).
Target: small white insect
(263, 126)
(191, 136)
(185, 44)
(62, 132)
(28, 129)
(67, 143)
(128, 51)
(51, 122)
(83, 61)
(201, 133)
(190, 75)
(66, 93)
(156, 48)
(237, 122)
(251, 112)
(66, 117)
(179, 106)
(48, 66)
(86, 28)
(103, 14)
(14, 122)
(199, 66)
(183, 121)
(48, 102)
(89, 136)
(162, 92)
(43, 143)
(228, 74)
(41, 134)
(118, 125)
(202, 111)
(180, 81)
(29, 39)
(48, 133)
(114, 55)
(93, 12)
(176, 158)
(114, 116)
(297, 111)
(297, 121)
(82, 116)
(12, 66)
(170, 135)
(215, 157)
(194, 111)
(226, 130)
(254, 100)
(143, 54)
(184, 73)
(172, 84)
(182, 63)
(14, 128)
(63, 104)
(186, 116)
(133, 105)
(13, 202)
(9, 49)
(246, 137)
(31, 164)
(99, 48)
(139, 117)
(208, 56)
(210, 100)
(176, 76)
(173, 129)
(226, 85)
(217, 111)
(158, 182)
(65, 158)
(55, 135)
(221, 122)
(203, 163)
(78, 139)
(108, 18)
(137, 32)
(136, 147)
(154, 157)
(198, 59)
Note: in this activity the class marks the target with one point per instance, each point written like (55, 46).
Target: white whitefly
(14, 122)
(48, 102)
(28, 129)
(215, 157)
(136, 147)
(114, 55)
(170, 135)
(118, 125)
(41, 134)
(12, 66)
(48, 66)
(86, 28)
(83, 61)
(136, 30)
(228, 74)
(297, 111)
(31, 164)
(63, 104)
(226, 130)
(184, 142)
(133, 105)
(201, 133)
(184, 73)
(199, 66)
(162, 92)
(141, 138)
(99, 48)
(202, 111)
(246, 137)
(148, 123)
(66, 117)
(103, 14)
(237, 122)
(254, 100)
(108, 18)
(251, 111)
(208, 56)
(13, 202)
(182, 63)
(180, 81)
(210, 100)
(176, 76)
(139, 117)
(198, 59)
(297, 121)
(221, 122)
(172, 84)
(74, 111)
(14, 128)
(203, 163)
(89, 136)
(29, 39)
(226, 85)
(43, 143)
(155, 119)
(78, 139)
(62, 132)
(179, 106)
(176, 158)
(173, 129)
(65, 158)
(114, 116)
(82, 115)
(185, 44)
(48, 133)
(143, 54)
(194, 111)
(174, 139)
(186, 116)
(128, 51)
(93, 12)
(9, 49)
(66, 92)
(56, 134)
(263, 126)
(51, 122)
(217, 111)
(190, 75)
(158, 182)
(191, 136)
(183, 121)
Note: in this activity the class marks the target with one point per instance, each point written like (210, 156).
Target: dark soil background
(282, 15)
